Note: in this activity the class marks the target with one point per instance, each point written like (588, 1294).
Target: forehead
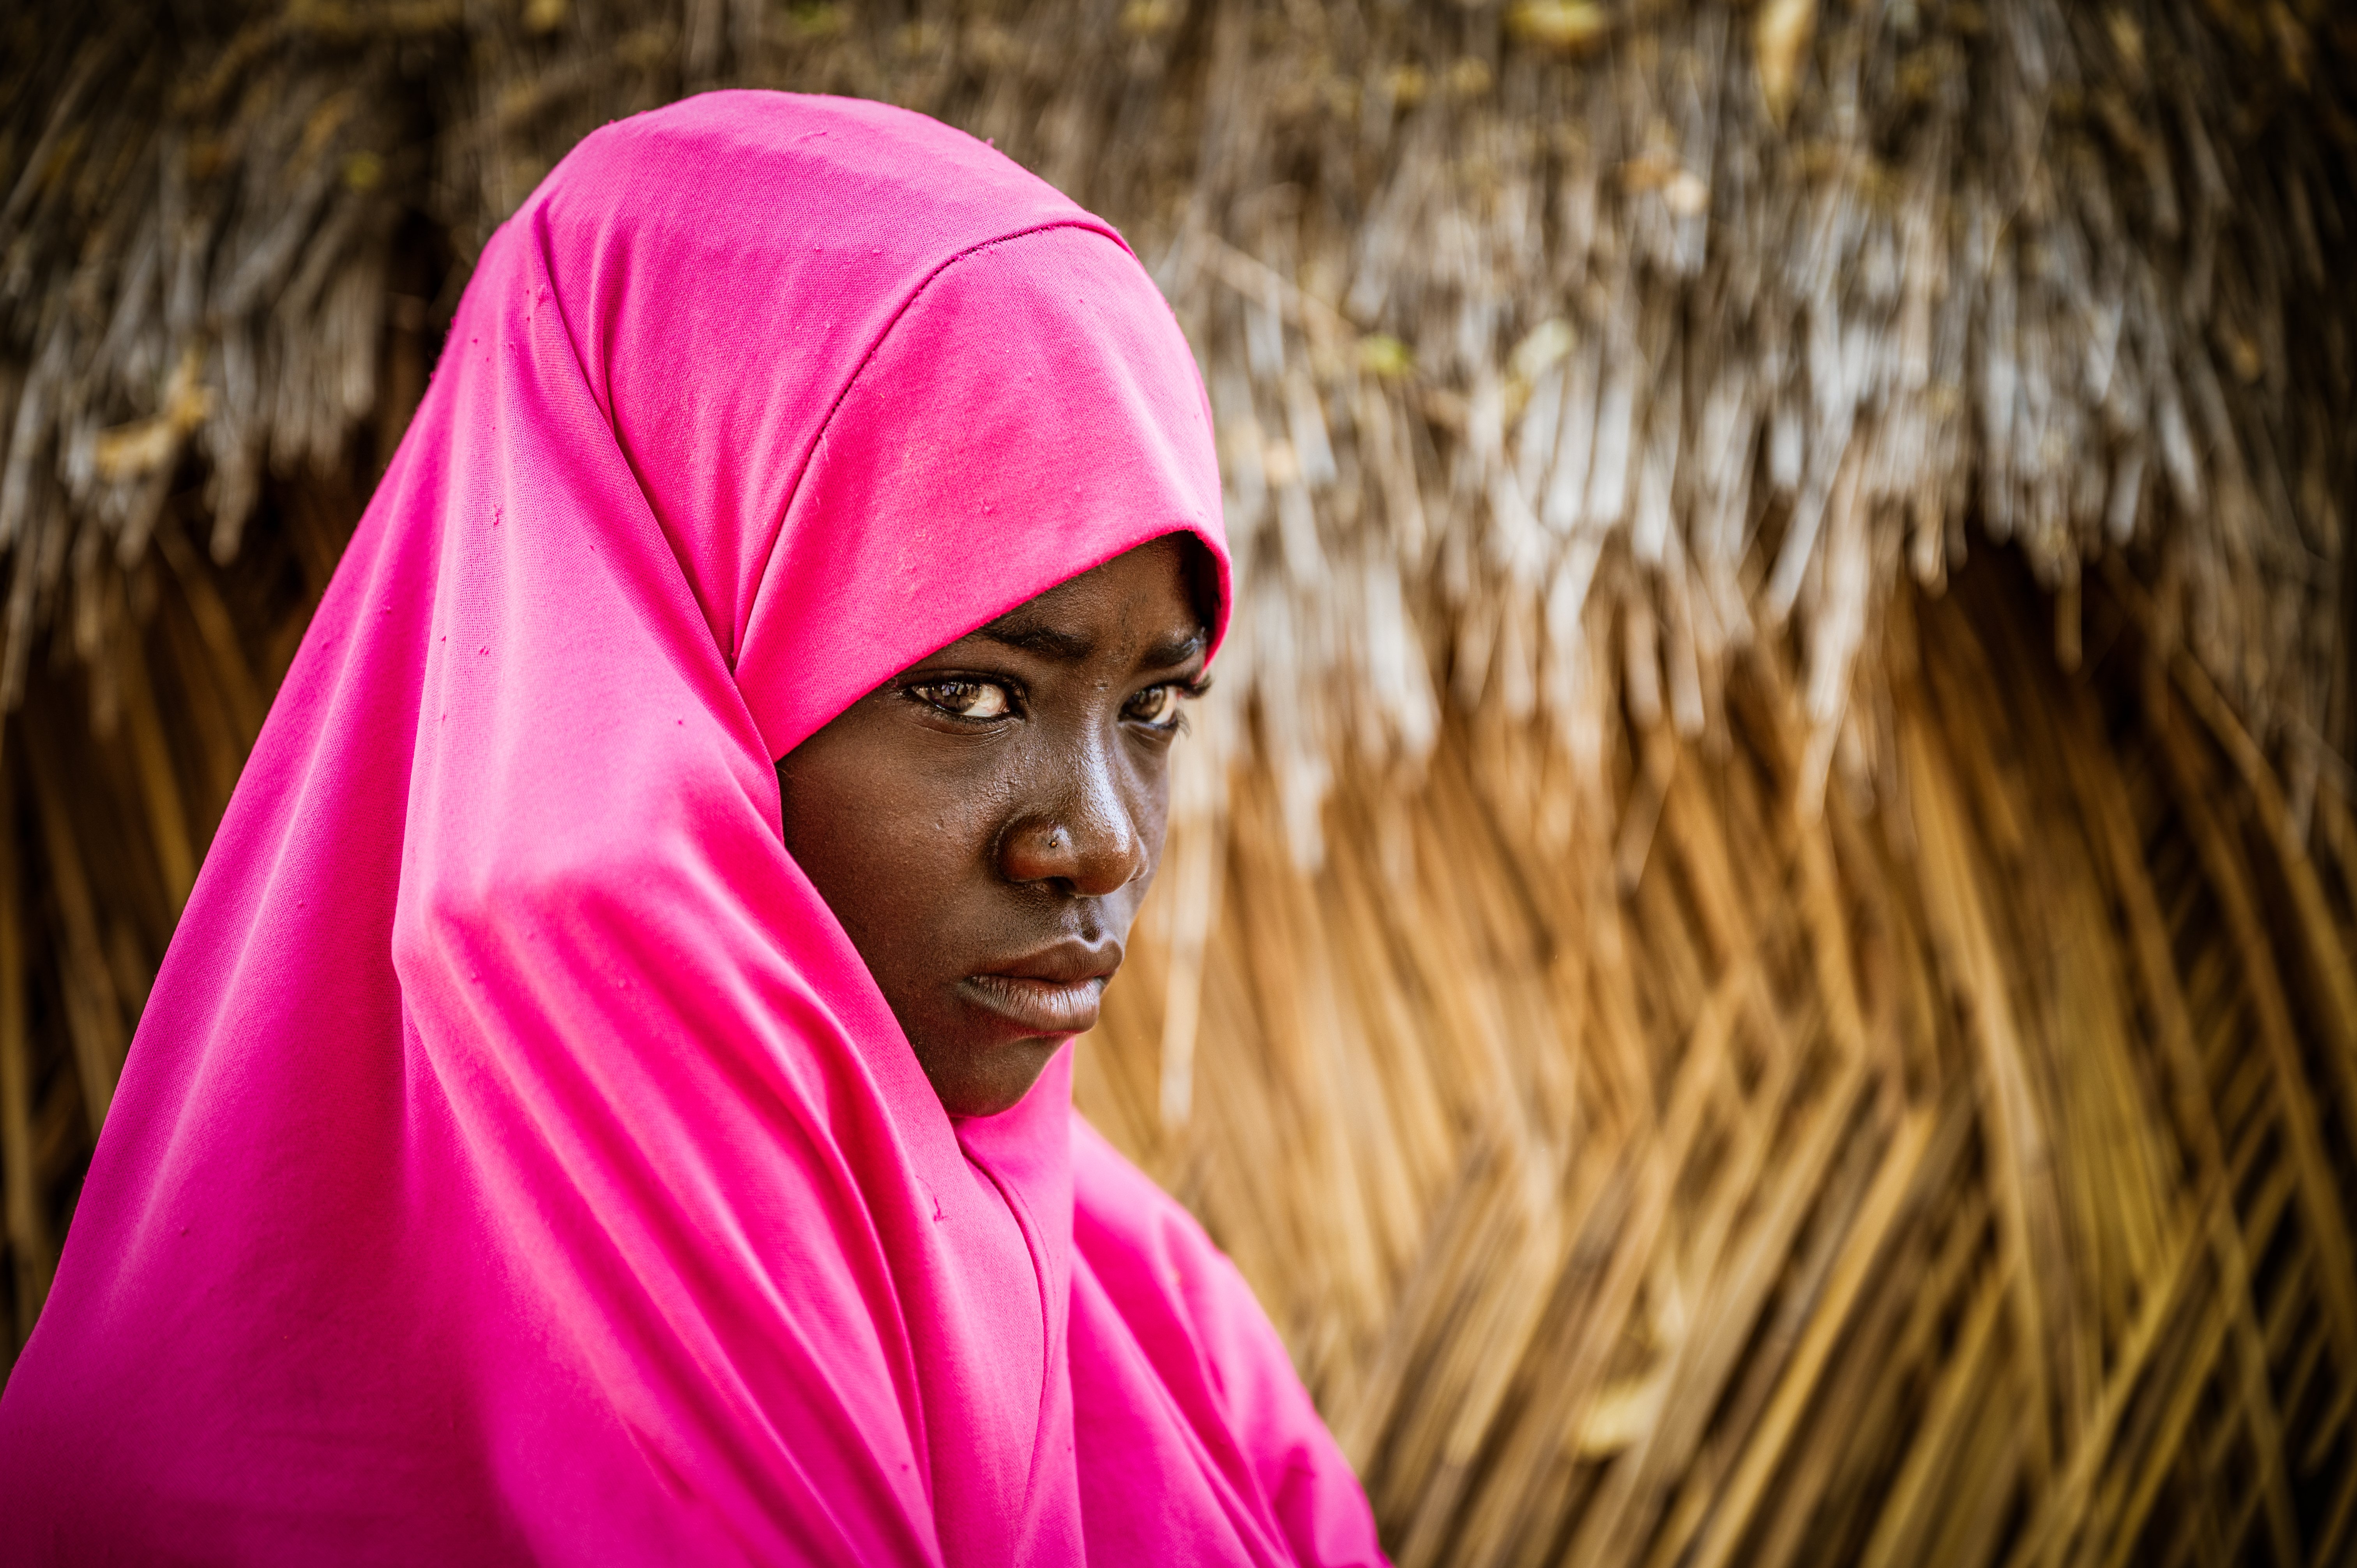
(1137, 603)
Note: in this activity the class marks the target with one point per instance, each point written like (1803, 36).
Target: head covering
(516, 1161)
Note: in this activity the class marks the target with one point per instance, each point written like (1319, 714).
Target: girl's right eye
(966, 699)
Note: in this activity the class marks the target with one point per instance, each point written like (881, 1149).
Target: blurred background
(1755, 960)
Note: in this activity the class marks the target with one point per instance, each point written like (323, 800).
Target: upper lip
(1062, 964)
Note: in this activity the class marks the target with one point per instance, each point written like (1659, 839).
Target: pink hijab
(516, 1161)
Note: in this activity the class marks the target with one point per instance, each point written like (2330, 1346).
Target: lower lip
(1041, 1006)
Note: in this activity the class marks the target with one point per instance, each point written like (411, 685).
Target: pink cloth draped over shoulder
(515, 1161)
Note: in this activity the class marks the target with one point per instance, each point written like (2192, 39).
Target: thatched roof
(1738, 314)
(1735, 316)
(1778, 1043)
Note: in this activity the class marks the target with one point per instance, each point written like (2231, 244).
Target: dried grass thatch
(1962, 1178)
(1721, 1033)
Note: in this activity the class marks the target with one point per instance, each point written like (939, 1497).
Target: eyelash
(1183, 690)
(935, 695)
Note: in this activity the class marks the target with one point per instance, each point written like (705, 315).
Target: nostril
(1092, 858)
(1039, 852)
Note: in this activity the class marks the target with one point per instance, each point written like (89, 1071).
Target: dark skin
(986, 822)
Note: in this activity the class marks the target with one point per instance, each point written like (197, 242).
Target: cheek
(1149, 787)
(1149, 800)
(938, 843)
(885, 834)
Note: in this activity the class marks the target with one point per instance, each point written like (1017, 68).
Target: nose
(1080, 832)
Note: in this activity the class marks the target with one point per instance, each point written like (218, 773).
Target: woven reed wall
(1959, 1179)
(1728, 1019)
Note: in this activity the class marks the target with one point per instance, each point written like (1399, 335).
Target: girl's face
(985, 823)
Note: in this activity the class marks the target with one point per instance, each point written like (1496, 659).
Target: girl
(608, 1099)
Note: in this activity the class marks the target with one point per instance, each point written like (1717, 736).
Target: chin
(987, 1079)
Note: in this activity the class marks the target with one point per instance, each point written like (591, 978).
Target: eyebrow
(1069, 648)
(1043, 640)
(1173, 650)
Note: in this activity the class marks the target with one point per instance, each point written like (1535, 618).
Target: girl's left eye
(967, 698)
(1156, 705)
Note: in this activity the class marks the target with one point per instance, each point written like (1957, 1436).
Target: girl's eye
(1156, 705)
(967, 698)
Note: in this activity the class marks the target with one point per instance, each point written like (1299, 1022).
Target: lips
(1053, 992)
